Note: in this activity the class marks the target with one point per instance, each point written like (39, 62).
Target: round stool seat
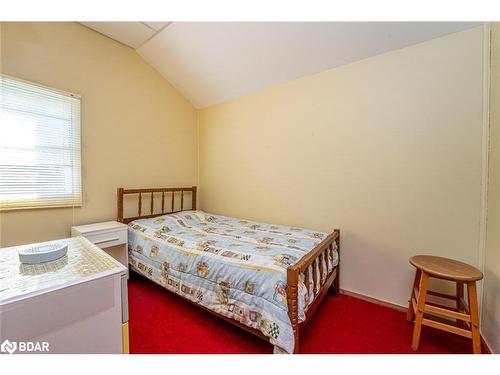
(445, 268)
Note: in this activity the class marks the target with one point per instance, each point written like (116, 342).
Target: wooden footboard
(320, 287)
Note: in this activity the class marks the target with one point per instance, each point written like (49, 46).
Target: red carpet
(162, 322)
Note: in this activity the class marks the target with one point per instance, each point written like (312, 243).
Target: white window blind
(39, 146)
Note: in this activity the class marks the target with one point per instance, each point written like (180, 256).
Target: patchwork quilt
(234, 267)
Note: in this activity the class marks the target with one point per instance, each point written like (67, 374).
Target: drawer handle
(106, 240)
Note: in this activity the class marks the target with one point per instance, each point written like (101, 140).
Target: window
(39, 146)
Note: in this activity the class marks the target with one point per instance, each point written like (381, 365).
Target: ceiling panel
(132, 34)
(211, 62)
(157, 26)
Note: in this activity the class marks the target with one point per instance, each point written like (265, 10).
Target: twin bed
(267, 279)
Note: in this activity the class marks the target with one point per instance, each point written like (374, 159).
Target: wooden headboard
(168, 195)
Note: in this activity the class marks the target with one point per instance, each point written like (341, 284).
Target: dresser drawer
(107, 239)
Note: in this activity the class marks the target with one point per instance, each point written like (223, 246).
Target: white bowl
(43, 253)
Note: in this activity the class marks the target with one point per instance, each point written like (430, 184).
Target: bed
(267, 279)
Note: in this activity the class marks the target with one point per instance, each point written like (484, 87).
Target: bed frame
(325, 248)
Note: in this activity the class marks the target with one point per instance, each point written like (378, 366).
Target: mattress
(234, 267)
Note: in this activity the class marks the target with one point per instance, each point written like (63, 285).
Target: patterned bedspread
(234, 267)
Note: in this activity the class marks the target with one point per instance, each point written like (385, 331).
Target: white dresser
(111, 236)
(76, 304)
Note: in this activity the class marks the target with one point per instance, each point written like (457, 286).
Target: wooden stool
(467, 317)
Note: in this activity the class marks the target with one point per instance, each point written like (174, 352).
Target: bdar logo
(9, 347)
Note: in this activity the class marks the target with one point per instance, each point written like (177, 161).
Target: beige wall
(387, 149)
(491, 301)
(137, 130)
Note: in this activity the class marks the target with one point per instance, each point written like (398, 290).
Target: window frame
(77, 194)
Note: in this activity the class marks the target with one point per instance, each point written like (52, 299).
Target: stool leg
(422, 293)
(474, 317)
(460, 307)
(410, 315)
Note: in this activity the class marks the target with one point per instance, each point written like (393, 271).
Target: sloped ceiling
(212, 62)
(132, 34)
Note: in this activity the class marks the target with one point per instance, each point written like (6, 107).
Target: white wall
(387, 149)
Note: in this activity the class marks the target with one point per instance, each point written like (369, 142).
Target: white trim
(198, 166)
(58, 91)
(484, 157)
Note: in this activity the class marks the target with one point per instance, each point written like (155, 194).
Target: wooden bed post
(193, 201)
(292, 275)
(119, 205)
(336, 282)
